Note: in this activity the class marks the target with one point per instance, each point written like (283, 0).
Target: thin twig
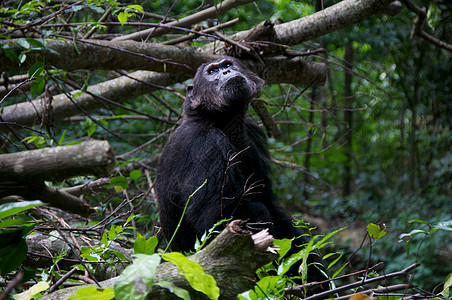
(323, 295)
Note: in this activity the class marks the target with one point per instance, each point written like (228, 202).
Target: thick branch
(333, 18)
(63, 105)
(276, 70)
(108, 55)
(118, 54)
(58, 163)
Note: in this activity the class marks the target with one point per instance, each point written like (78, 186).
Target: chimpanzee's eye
(227, 65)
(212, 70)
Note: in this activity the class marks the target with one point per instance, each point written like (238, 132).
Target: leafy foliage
(398, 143)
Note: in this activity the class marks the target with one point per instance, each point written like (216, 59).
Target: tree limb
(275, 69)
(333, 18)
(108, 55)
(211, 12)
(58, 163)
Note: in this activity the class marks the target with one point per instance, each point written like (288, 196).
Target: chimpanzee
(217, 142)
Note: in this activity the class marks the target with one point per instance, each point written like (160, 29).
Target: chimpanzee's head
(224, 85)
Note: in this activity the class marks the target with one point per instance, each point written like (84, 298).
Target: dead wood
(58, 163)
(231, 258)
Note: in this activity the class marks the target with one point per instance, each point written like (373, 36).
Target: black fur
(217, 142)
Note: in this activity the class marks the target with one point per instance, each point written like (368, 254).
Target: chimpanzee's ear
(189, 95)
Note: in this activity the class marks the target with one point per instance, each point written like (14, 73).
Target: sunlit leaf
(194, 274)
(136, 7)
(23, 43)
(447, 285)
(143, 246)
(33, 290)
(93, 293)
(433, 15)
(12, 208)
(375, 231)
(123, 17)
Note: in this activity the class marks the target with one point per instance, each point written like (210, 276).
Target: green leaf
(143, 246)
(96, 8)
(23, 43)
(447, 285)
(340, 270)
(123, 16)
(268, 284)
(283, 245)
(136, 7)
(334, 261)
(11, 222)
(12, 56)
(194, 274)
(37, 86)
(119, 181)
(114, 231)
(35, 43)
(179, 292)
(9, 209)
(89, 254)
(76, 8)
(433, 15)
(248, 295)
(36, 69)
(60, 141)
(411, 233)
(28, 294)
(418, 221)
(136, 280)
(135, 174)
(91, 129)
(104, 239)
(22, 58)
(94, 293)
(13, 250)
(444, 226)
(375, 231)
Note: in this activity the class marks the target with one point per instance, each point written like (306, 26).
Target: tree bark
(58, 163)
(109, 55)
(231, 258)
(291, 70)
(333, 18)
(96, 96)
(157, 57)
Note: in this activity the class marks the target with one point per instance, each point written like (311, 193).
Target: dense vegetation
(371, 145)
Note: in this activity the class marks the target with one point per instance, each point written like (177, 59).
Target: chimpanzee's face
(223, 84)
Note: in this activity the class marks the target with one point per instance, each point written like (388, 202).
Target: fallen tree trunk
(58, 163)
(23, 173)
(231, 258)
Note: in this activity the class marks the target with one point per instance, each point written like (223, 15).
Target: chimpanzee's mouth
(235, 88)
